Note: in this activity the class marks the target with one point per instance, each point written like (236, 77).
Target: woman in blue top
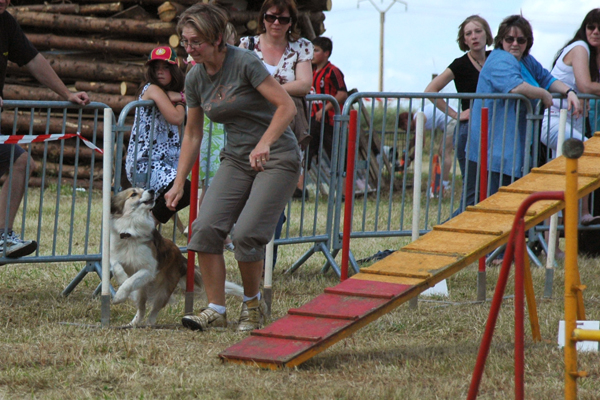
(509, 69)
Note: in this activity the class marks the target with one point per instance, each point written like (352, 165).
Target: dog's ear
(116, 206)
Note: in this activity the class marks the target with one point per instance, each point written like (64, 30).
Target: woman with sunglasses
(287, 57)
(509, 69)
(260, 162)
(576, 65)
(285, 54)
(474, 35)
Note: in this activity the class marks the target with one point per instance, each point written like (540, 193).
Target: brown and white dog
(147, 266)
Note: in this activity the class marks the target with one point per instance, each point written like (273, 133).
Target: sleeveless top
(165, 149)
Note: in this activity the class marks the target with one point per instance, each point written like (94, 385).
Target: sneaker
(253, 315)
(207, 319)
(15, 246)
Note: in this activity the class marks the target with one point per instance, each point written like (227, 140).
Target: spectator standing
(15, 47)
(327, 79)
(577, 66)
(287, 57)
(474, 35)
(509, 69)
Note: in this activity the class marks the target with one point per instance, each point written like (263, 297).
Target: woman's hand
(173, 196)
(175, 97)
(574, 105)
(465, 115)
(259, 156)
(546, 98)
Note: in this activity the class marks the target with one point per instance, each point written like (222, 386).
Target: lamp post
(381, 25)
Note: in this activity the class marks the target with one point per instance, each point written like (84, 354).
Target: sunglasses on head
(270, 18)
(511, 39)
(592, 27)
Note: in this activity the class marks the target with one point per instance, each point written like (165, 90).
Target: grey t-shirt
(230, 97)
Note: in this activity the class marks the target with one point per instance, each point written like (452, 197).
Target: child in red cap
(154, 145)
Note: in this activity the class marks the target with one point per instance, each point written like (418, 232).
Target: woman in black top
(474, 34)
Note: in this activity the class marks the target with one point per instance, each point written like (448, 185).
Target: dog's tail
(234, 289)
(230, 287)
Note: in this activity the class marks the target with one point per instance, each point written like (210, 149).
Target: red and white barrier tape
(26, 139)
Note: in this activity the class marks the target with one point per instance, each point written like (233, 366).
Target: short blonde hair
(208, 20)
(229, 32)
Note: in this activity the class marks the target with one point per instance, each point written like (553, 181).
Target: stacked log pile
(100, 46)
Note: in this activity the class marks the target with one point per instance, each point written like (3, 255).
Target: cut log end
(174, 41)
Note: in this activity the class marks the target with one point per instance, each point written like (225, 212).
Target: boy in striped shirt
(327, 79)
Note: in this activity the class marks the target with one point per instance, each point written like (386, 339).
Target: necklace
(474, 59)
(215, 80)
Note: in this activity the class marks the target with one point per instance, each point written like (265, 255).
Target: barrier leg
(89, 267)
(106, 194)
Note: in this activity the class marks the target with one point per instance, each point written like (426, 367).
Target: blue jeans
(462, 135)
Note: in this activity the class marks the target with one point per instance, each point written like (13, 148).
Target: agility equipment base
(343, 309)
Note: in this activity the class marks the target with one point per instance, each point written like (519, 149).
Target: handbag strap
(251, 43)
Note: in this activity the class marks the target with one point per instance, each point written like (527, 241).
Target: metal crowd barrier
(310, 217)
(60, 209)
(63, 214)
(381, 144)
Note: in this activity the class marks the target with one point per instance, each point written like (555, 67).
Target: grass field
(51, 346)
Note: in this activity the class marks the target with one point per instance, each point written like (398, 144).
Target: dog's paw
(120, 297)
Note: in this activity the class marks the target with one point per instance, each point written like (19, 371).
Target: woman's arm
(285, 111)
(581, 69)
(300, 86)
(173, 114)
(190, 147)
(436, 85)
(532, 92)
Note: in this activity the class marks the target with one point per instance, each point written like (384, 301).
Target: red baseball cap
(164, 53)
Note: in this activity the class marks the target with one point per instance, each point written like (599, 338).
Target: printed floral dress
(295, 52)
(162, 156)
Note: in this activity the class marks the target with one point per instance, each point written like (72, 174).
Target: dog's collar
(125, 235)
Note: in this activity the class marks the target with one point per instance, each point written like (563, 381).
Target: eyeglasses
(592, 27)
(270, 18)
(511, 39)
(194, 45)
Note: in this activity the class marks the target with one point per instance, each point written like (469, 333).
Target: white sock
(220, 309)
(246, 298)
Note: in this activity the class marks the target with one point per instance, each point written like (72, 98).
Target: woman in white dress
(577, 66)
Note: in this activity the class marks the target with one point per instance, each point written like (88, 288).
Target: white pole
(268, 286)
(107, 163)
(381, 32)
(554, 219)
(417, 177)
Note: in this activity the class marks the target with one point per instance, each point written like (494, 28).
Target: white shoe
(15, 246)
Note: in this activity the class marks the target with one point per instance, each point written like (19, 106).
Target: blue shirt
(501, 73)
